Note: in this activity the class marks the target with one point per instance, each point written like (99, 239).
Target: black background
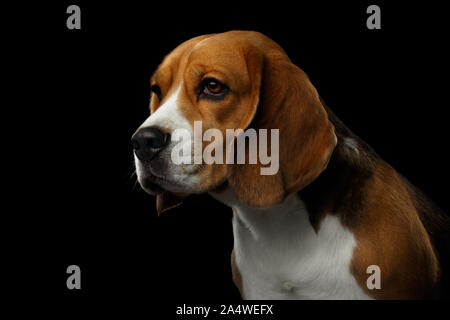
(82, 93)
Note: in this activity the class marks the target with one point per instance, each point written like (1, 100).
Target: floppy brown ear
(288, 102)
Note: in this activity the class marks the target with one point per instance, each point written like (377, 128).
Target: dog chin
(154, 185)
(157, 185)
(150, 187)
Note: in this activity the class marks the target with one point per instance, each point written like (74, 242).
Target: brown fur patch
(378, 206)
(392, 236)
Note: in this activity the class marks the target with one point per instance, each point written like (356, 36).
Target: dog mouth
(155, 185)
(158, 177)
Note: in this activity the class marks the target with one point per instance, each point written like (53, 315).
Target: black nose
(147, 142)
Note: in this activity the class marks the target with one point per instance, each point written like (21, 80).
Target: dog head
(233, 80)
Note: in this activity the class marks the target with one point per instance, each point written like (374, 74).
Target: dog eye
(156, 90)
(213, 87)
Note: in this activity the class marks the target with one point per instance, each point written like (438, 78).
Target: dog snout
(148, 141)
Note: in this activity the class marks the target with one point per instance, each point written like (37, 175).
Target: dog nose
(147, 142)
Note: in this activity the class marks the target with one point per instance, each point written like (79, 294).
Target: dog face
(233, 80)
(204, 79)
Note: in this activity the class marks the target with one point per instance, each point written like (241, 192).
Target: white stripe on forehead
(168, 115)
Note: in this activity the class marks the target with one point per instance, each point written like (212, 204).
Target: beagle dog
(332, 213)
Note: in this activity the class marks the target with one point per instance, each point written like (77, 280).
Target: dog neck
(264, 222)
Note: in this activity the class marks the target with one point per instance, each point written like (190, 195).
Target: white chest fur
(280, 256)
